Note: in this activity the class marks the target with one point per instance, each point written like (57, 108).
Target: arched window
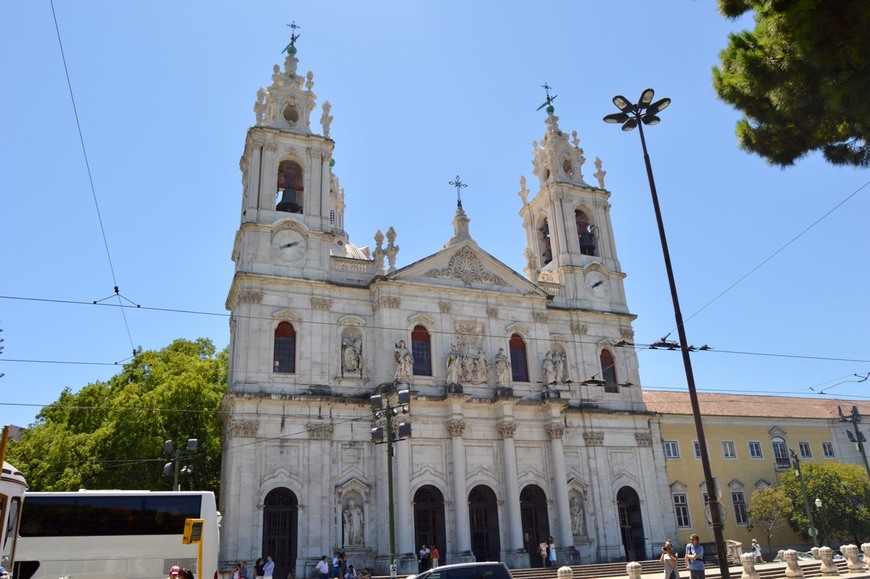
(284, 359)
(587, 233)
(546, 248)
(608, 371)
(519, 366)
(421, 351)
(290, 187)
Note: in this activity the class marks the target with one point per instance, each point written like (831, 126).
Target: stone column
(462, 530)
(560, 492)
(512, 493)
(404, 505)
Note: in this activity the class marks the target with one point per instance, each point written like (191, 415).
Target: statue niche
(290, 187)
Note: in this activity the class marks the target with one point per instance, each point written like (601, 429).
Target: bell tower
(292, 204)
(569, 238)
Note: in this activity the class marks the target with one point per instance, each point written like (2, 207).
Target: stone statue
(600, 173)
(404, 363)
(351, 354)
(548, 369)
(480, 366)
(354, 524)
(560, 361)
(260, 106)
(502, 369)
(578, 523)
(453, 365)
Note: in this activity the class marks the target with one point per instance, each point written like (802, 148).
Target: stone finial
(850, 552)
(524, 193)
(326, 118)
(634, 570)
(792, 568)
(865, 548)
(260, 106)
(575, 140)
(599, 173)
(565, 573)
(826, 554)
(309, 81)
(392, 249)
(748, 562)
(379, 252)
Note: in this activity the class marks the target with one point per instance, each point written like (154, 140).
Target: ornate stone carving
(599, 173)
(643, 439)
(626, 333)
(250, 297)
(244, 428)
(540, 317)
(555, 430)
(579, 329)
(444, 307)
(593, 438)
(351, 352)
(321, 304)
(456, 427)
(319, 431)
(466, 267)
(392, 249)
(491, 312)
(354, 524)
(507, 429)
(386, 302)
(326, 118)
(578, 517)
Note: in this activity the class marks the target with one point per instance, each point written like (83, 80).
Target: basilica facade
(521, 390)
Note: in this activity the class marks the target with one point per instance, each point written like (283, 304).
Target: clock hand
(598, 283)
(291, 244)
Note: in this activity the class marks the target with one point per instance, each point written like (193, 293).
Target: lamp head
(622, 103)
(646, 98)
(658, 106)
(629, 124)
(616, 118)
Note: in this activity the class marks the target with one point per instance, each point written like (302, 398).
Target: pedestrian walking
(322, 568)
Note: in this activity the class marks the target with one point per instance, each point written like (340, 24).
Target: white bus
(12, 487)
(115, 534)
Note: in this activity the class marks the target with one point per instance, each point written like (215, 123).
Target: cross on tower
(549, 102)
(293, 38)
(459, 185)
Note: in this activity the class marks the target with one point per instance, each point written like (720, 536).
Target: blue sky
(420, 92)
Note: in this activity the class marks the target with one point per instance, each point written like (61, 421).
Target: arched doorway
(483, 519)
(280, 525)
(631, 524)
(429, 520)
(536, 522)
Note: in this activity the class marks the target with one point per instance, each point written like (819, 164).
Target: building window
(755, 449)
(827, 450)
(738, 499)
(284, 357)
(586, 232)
(780, 453)
(519, 366)
(729, 451)
(697, 446)
(546, 245)
(805, 449)
(332, 217)
(681, 510)
(421, 351)
(672, 449)
(608, 371)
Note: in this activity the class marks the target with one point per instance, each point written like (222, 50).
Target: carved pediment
(466, 267)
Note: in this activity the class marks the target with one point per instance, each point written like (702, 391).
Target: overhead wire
(90, 174)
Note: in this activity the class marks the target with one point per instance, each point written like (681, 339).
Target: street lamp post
(383, 409)
(636, 115)
(858, 438)
(176, 455)
(818, 502)
(813, 531)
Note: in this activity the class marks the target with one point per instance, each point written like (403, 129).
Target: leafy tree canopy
(801, 78)
(769, 511)
(110, 435)
(844, 490)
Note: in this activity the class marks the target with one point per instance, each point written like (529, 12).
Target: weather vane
(291, 48)
(549, 102)
(459, 185)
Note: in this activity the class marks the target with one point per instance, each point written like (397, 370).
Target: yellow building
(749, 440)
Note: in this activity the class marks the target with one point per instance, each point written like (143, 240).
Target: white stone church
(525, 402)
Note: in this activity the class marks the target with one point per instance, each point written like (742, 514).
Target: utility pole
(813, 531)
(858, 437)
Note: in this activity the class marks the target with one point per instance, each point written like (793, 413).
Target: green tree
(769, 511)
(845, 494)
(111, 434)
(801, 78)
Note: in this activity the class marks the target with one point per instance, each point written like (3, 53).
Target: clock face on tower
(597, 284)
(288, 245)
